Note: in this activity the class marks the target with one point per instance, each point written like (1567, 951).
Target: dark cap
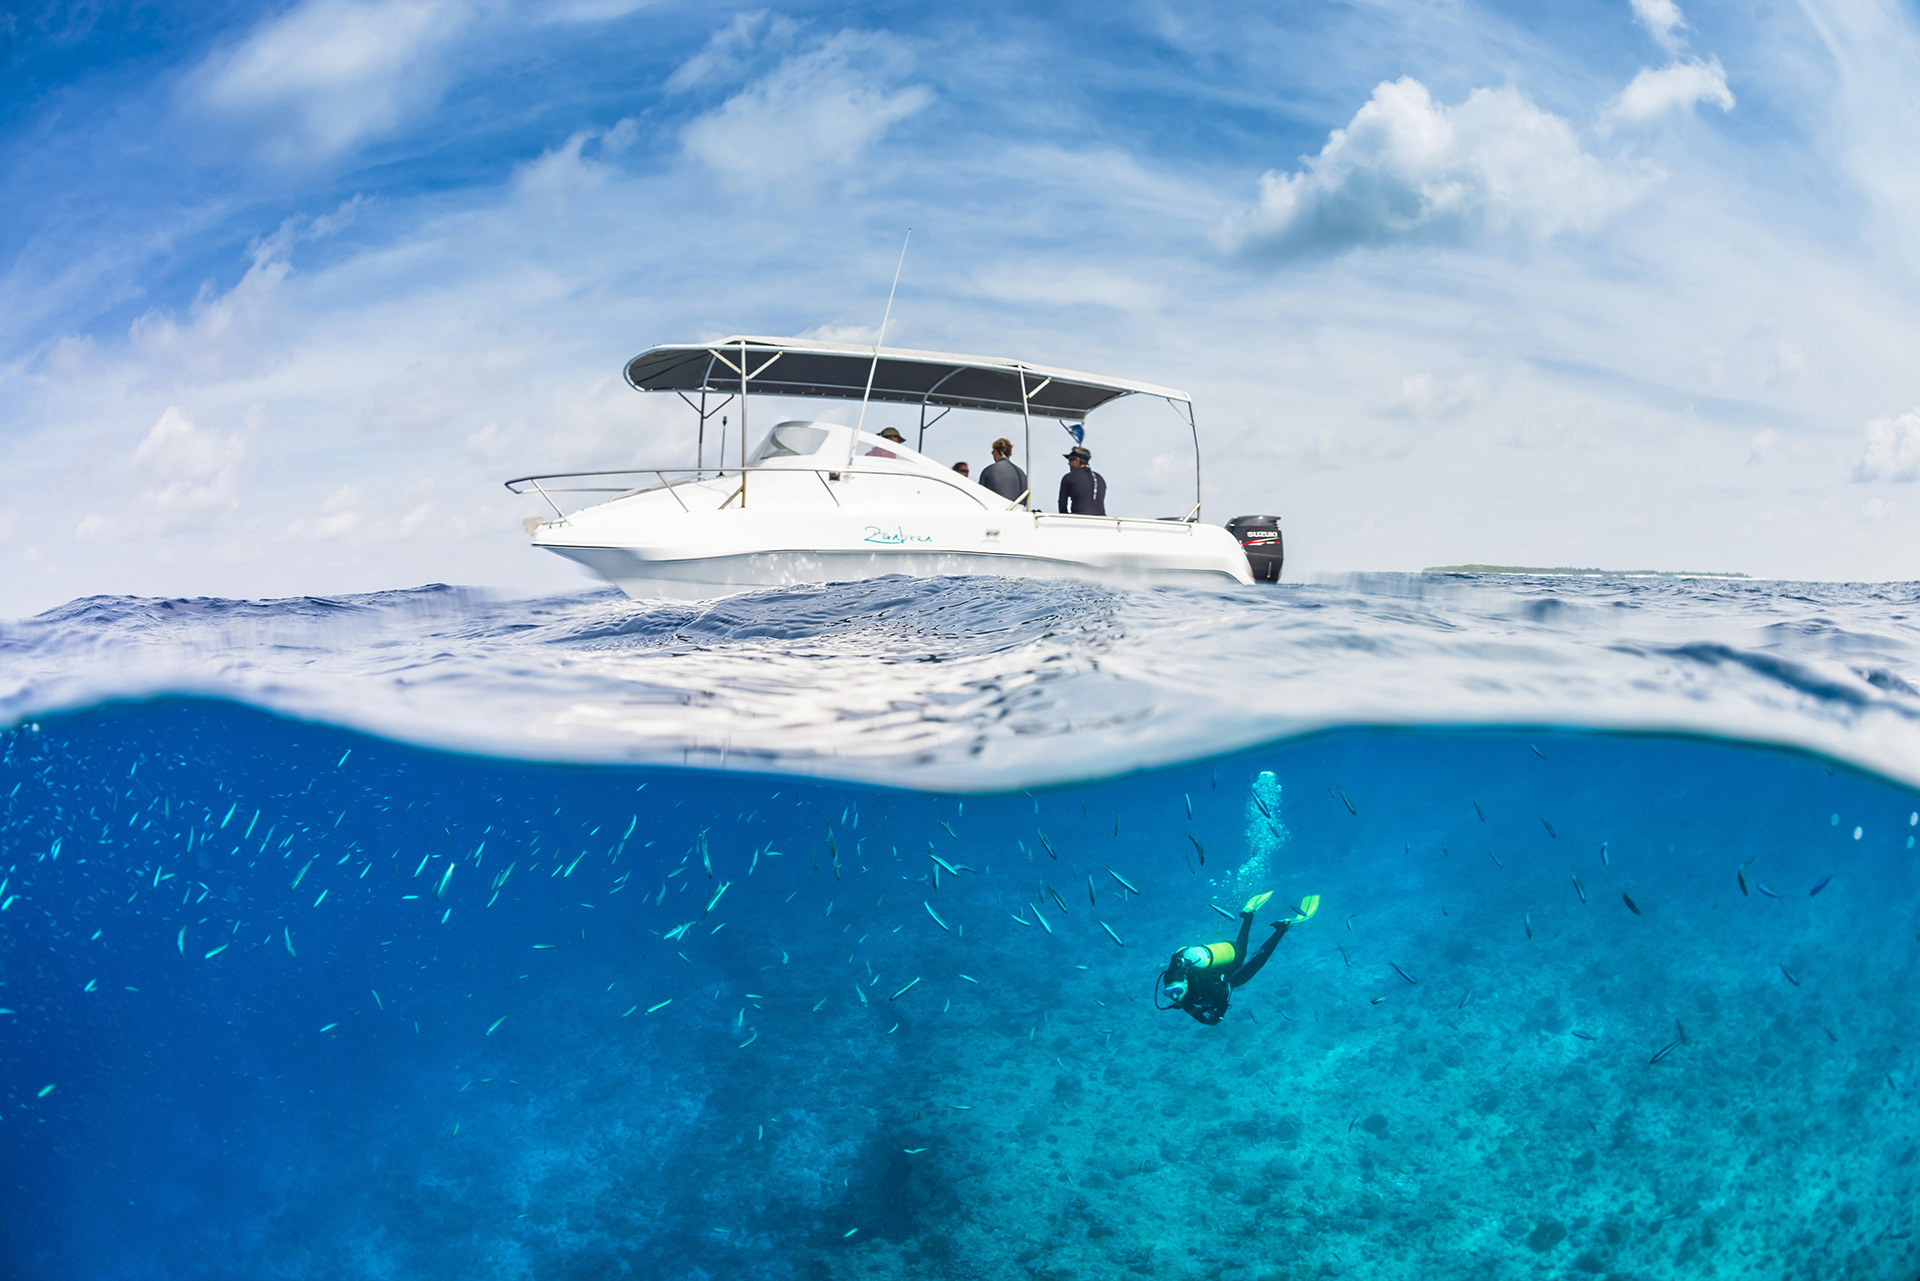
(892, 434)
(1081, 452)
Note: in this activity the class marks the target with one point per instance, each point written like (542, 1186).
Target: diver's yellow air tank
(1208, 956)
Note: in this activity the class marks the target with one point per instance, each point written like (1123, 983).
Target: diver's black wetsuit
(1209, 990)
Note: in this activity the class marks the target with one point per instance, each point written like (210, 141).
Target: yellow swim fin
(1308, 906)
(1257, 902)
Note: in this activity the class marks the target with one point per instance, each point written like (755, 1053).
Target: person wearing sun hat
(1083, 491)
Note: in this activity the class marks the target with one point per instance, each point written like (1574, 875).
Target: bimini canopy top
(837, 371)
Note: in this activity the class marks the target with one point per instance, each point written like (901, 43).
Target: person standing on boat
(1083, 491)
(1001, 475)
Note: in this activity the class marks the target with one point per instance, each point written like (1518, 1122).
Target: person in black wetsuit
(1083, 491)
(1001, 476)
(1200, 980)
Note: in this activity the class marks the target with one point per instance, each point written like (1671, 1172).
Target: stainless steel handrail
(661, 474)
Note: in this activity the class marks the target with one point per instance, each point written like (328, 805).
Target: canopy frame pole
(925, 399)
(700, 445)
(1026, 424)
(746, 376)
(921, 444)
(743, 423)
(705, 379)
(1194, 428)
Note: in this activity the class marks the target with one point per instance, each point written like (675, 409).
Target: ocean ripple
(984, 683)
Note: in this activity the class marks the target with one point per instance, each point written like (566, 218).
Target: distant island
(1573, 570)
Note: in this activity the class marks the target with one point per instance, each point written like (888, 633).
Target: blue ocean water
(815, 934)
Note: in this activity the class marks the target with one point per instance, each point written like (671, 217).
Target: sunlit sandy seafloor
(295, 1000)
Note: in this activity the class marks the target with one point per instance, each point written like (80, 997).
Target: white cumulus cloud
(329, 74)
(1429, 397)
(1410, 169)
(730, 51)
(1662, 19)
(1672, 88)
(185, 477)
(817, 112)
(1893, 449)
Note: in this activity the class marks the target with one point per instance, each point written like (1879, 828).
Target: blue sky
(289, 289)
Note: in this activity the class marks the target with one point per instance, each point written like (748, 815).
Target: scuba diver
(1200, 980)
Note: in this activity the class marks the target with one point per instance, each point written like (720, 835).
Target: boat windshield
(789, 440)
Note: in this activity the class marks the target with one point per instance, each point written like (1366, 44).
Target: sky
(287, 291)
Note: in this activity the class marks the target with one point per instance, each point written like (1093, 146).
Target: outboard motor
(1259, 537)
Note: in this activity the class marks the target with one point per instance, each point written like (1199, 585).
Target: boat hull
(648, 577)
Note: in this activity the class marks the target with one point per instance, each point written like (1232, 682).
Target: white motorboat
(820, 502)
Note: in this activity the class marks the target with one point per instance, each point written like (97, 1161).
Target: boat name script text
(895, 537)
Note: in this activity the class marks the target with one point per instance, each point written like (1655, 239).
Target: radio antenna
(874, 368)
